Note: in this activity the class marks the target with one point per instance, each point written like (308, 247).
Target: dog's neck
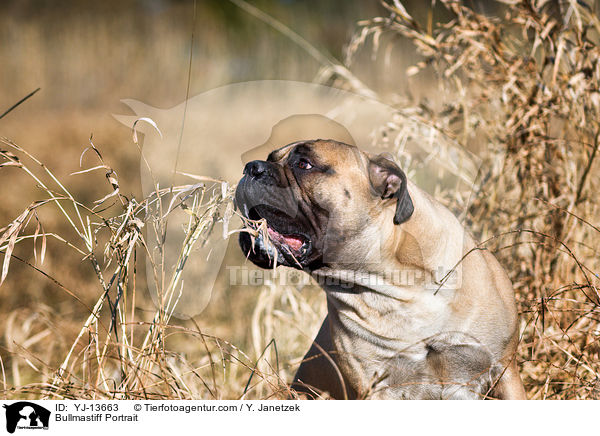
(399, 300)
(425, 259)
(429, 244)
(432, 239)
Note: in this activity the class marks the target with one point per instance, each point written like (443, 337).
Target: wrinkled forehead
(283, 152)
(328, 152)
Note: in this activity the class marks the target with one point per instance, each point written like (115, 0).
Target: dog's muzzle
(276, 232)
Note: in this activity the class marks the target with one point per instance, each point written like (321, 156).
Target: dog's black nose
(257, 168)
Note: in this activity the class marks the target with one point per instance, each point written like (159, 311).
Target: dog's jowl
(414, 311)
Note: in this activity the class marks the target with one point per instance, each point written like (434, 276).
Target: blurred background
(85, 56)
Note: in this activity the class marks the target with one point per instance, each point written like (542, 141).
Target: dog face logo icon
(26, 415)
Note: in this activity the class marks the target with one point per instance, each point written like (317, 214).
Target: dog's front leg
(510, 386)
(319, 374)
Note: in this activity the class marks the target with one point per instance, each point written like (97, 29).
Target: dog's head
(321, 200)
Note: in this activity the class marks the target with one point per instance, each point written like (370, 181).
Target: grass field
(517, 86)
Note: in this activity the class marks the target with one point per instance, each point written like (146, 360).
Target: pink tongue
(291, 241)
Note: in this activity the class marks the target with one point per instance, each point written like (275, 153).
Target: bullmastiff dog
(415, 309)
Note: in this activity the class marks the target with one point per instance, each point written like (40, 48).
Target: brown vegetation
(519, 87)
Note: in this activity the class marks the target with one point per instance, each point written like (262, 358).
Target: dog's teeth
(246, 210)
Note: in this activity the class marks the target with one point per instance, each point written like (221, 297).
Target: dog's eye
(304, 164)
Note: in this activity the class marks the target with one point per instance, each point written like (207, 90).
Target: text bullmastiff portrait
(415, 310)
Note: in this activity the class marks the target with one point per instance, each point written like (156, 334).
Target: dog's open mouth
(294, 242)
(280, 231)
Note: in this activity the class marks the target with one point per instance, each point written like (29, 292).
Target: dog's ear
(388, 180)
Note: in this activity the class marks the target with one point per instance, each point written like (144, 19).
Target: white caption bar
(298, 417)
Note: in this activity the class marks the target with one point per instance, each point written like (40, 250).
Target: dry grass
(121, 351)
(519, 89)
